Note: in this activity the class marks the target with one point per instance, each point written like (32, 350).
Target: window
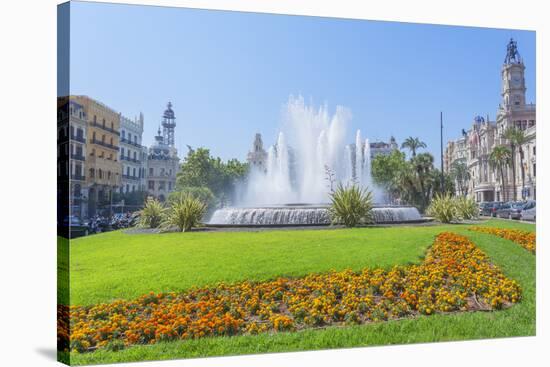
(162, 185)
(129, 137)
(151, 185)
(100, 173)
(123, 134)
(95, 119)
(534, 170)
(135, 156)
(93, 136)
(151, 171)
(134, 172)
(127, 188)
(169, 185)
(92, 173)
(122, 152)
(103, 138)
(103, 123)
(127, 171)
(111, 156)
(93, 152)
(109, 175)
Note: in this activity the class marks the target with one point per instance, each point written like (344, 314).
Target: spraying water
(310, 145)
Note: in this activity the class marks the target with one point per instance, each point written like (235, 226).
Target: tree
(517, 139)
(424, 166)
(499, 159)
(413, 144)
(461, 175)
(200, 169)
(386, 171)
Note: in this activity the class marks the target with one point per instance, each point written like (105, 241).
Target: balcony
(128, 177)
(106, 128)
(126, 141)
(78, 157)
(125, 158)
(78, 177)
(80, 139)
(104, 144)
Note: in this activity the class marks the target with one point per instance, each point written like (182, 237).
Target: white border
(27, 184)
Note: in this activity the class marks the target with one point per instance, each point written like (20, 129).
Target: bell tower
(513, 78)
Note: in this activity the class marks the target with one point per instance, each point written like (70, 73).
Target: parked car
(491, 209)
(485, 207)
(529, 211)
(77, 228)
(510, 210)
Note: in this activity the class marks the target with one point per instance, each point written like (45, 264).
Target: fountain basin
(303, 215)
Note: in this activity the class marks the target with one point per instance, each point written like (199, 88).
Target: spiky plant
(466, 208)
(443, 208)
(185, 212)
(151, 215)
(350, 205)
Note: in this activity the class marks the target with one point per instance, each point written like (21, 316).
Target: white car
(529, 211)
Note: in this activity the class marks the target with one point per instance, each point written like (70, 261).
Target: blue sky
(228, 74)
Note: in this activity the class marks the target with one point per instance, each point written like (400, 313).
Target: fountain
(310, 147)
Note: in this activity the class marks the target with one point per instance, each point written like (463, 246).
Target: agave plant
(443, 208)
(185, 212)
(152, 214)
(350, 205)
(466, 208)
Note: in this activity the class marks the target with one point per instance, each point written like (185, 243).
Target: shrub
(151, 215)
(204, 194)
(443, 208)
(351, 205)
(466, 208)
(185, 212)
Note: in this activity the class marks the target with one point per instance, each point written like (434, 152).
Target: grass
(294, 253)
(118, 265)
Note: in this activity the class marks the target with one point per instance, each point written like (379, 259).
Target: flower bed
(455, 276)
(523, 238)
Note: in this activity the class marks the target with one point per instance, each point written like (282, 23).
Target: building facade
(130, 154)
(103, 171)
(382, 147)
(257, 157)
(162, 159)
(77, 162)
(475, 146)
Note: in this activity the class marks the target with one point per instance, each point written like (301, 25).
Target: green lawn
(118, 265)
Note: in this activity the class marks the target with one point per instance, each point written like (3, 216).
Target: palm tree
(499, 159)
(460, 173)
(413, 144)
(517, 139)
(423, 165)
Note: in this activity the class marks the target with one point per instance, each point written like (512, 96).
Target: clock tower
(513, 80)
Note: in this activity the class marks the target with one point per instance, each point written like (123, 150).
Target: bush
(151, 215)
(185, 212)
(443, 208)
(351, 205)
(466, 208)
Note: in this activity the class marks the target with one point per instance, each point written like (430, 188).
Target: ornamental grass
(455, 276)
(525, 239)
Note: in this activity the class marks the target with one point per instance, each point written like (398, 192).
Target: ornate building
(382, 147)
(103, 170)
(131, 159)
(162, 160)
(77, 149)
(475, 146)
(257, 157)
